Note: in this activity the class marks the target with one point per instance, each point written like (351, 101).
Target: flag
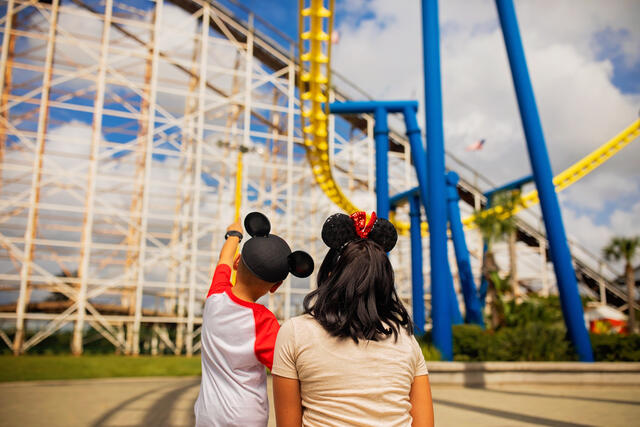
(335, 37)
(476, 146)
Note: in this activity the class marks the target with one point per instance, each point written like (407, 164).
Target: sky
(584, 63)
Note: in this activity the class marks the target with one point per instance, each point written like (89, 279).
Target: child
(238, 335)
(352, 358)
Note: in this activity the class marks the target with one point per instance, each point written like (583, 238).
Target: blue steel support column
(418, 153)
(419, 162)
(454, 306)
(471, 301)
(437, 215)
(417, 279)
(381, 135)
(539, 158)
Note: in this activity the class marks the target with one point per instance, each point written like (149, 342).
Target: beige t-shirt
(347, 384)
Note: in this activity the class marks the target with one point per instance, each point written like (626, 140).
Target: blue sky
(608, 45)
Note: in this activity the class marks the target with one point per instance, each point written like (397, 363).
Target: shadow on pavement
(160, 413)
(509, 415)
(560, 396)
(103, 420)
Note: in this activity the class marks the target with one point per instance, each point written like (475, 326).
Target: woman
(351, 359)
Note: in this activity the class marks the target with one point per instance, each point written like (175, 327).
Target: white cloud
(593, 237)
(598, 189)
(625, 222)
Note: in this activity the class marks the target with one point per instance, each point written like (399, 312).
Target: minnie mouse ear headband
(268, 256)
(340, 229)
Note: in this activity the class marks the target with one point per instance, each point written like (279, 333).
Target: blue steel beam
(539, 158)
(380, 109)
(437, 215)
(472, 305)
(405, 195)
(357, 107)
(452, 297)
(418, 154)
(381, 136)
(517, 184)
(419, 162)
(417, 279)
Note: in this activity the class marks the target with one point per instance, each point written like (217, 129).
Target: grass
(31, 368)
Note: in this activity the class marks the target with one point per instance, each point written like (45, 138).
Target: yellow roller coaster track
(316, 22)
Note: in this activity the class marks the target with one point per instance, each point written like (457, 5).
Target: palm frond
(622, 248)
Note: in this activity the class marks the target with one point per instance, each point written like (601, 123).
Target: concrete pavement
(169, 402)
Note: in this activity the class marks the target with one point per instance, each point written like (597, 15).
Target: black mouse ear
(337, 230)
(257, 224)
(300, 264)
(384, 234)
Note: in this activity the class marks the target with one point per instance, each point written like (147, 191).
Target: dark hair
(356, 296)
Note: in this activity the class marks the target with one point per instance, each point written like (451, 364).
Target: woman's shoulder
(303, 325)
(403, 339)
(408, 337)
(302, 321)
(299, 329)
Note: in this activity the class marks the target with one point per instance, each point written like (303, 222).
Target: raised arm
(228, 251)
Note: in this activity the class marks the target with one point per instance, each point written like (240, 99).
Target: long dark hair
(356, 296)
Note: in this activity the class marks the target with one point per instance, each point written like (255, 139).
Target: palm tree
(495, 226)
(625, 248)
(513, 199)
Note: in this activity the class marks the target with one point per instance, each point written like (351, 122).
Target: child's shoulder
(263, 310)
(263, 315)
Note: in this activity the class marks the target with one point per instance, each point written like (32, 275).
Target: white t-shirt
(347, 384)
(237, 343)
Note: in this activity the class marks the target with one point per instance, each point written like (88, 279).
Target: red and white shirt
(237, 343)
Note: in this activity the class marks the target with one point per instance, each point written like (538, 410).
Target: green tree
(496, 225)
(512, 199)
(623, 248)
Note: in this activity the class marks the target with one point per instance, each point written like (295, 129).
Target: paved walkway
(169, 402)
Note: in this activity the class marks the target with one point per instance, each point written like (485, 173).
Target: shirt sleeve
(419, 363)
(266, 332)
(221, 280)
(284, 363)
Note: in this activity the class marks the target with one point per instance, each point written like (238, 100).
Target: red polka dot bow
(363, 227)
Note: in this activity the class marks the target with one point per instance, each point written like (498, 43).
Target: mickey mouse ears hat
(340, 229)
(268, 256)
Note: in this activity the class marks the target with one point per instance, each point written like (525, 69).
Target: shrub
(615, 347)
(534, 309)
(534, 330)
(429, 352)
(470, 343)
(534, 341)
